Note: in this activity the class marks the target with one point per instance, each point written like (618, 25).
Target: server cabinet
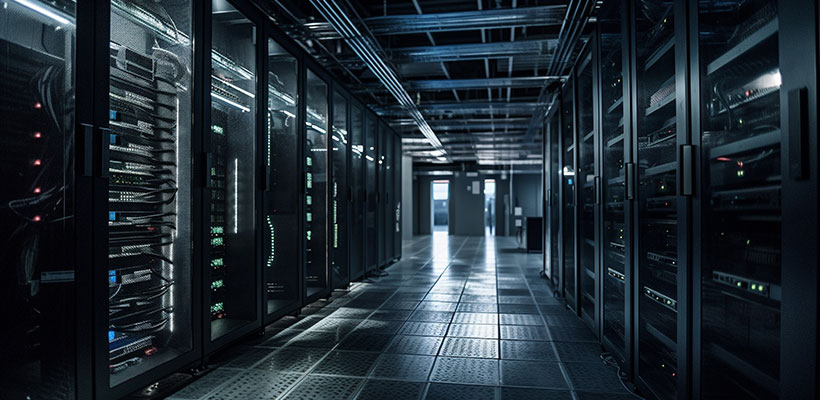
(316, 187)
(47, 90)
(147, 284)
(756, 276)
(281, 197)
(371, 243)
(397, 196)
(553, 270)
(381, 194)
(659, 215)
(339, 237)
(358, 198)
(567, 161)
(587, 175)
(615, 275)
(231, 279)
(389, 197)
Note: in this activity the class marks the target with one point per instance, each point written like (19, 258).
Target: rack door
(657, 212)
(280, 229)
(150, 195)
(587, 184)
(613, 243)
(358, 198)
(553, 266)
(316, 186)
(568, 195)
(371, 244)
(37, 229)
(231, 282)
(740, 279)
(389, 197)
(340, 265)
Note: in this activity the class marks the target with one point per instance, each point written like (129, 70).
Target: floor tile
(524, 332)
(465, 370)
(594, 377)
(467, 347)
(324, 387)
(408, 367)
(527, 350)
(392, 390)
(473, 331)
(424, 345)
(292, 359)
(532, 373)
(520, 393)
(346, 363)
(423, 328)
(444, 391)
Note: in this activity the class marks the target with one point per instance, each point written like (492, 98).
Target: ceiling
(461, 80)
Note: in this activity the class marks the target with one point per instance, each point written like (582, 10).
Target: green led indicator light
(740, 173)
(739, 284)
(217, 129)
(754, 287)
(309, 161)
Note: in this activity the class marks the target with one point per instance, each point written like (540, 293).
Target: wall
(527, 194)
(407, 197)
(421, 205)
(466, 206)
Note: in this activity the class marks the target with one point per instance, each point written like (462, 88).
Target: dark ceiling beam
(473, 51)
(480, 83)
(552, 15)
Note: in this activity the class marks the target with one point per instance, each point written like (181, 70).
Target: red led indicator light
(38, 105)
(36, 218)
(37, 162)
(38, 135)
(37, 190)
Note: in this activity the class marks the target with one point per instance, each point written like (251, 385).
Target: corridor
(457, 318)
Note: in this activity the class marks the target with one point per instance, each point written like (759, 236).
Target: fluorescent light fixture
(237, 88)
(44, 11)
(230, 102)
(236, 195)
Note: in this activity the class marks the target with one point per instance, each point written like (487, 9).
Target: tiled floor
(457, 318)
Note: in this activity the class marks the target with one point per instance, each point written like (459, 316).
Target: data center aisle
(457, 318)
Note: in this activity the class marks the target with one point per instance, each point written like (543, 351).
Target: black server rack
(146, 178)
(553, 270)
(397, 197)
(339, 219)
(615, 301)
(569, 198)
(317, 185)
(755, 299)
(385, 225)
(658, 218)
(381, 194)
(280, 230)
(587, 187)
(371, 243)
(358, 195)
(231, 282)
(47, 91)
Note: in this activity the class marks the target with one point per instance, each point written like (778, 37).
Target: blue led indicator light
(112, 215)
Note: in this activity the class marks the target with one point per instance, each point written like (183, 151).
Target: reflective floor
(457, 318)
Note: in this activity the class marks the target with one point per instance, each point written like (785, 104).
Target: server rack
(397, 205)
(280, 244)
(381, 194)
(553, 271)
(358, 198)
(754, 274)
(371, 244)
(386, 225)
(232, 189)
(316, 187)
(49, 115)
(658, 216)
(568, 162)
(340, 227)
(587, 177)
(615, 276)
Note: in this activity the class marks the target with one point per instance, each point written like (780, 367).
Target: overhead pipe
(367, 51)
